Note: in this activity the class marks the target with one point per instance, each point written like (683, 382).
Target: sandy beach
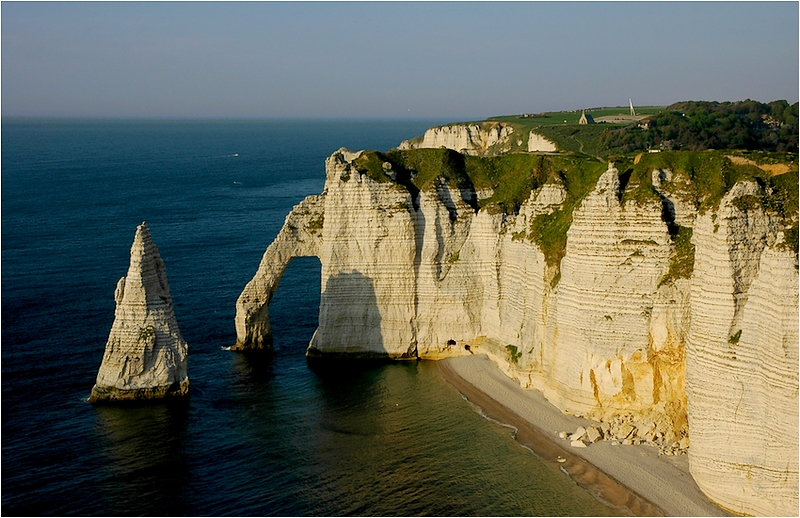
(633, 479)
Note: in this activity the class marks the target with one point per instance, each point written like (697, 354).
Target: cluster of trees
(697, 125)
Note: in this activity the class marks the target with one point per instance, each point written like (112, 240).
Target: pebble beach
(634, 479)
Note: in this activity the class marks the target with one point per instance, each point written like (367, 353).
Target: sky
(387, 60)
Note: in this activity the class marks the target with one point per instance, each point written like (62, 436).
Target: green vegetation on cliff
(688, 125)
(704, 177)
(513, 354)
(563, 128)
(549, 231)
(711, 125)
(700, 178)
(763, 138)
(681, 264)
(575, 138)
(419, 167)
(571, 117)
(511, 178)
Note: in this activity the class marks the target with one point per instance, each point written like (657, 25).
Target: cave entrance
(294, 309)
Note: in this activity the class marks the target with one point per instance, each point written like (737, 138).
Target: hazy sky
(448, 60)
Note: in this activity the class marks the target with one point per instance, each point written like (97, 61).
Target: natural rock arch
(300, 236)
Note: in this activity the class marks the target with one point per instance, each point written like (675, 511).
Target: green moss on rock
(681, 263)
(549, 231)
(370, 163)
(701, 178)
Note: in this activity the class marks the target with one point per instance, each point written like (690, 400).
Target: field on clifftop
(688, 125)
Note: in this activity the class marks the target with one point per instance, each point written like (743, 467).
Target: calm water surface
(258, 436)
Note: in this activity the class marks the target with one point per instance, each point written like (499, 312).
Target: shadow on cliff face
(349, 320)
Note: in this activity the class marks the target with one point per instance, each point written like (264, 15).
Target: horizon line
(209, 119)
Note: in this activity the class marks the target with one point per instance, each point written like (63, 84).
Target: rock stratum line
(145, 355)
(661, 307)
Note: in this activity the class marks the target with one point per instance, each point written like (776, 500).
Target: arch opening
(294, 308)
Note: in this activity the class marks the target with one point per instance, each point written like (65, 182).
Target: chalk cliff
(742, 359)
(480, 139)
(619, 295)
(538, 142)
(470, 139)
(145, 355)
(300, 236)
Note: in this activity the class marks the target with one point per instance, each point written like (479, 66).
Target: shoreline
(633, 480)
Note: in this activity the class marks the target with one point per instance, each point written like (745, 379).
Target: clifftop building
(585, 119)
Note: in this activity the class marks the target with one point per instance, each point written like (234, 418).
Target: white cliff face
(368, 254)
(539, 143)
(602, 359)
(145, 356)
(601, 335)
(478, 139)
(742, 361)
(469, 139)
(607, 333)
(681, 209)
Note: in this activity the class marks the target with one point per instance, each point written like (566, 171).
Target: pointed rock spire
(145, 356)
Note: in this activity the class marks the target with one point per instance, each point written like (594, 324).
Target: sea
(259, 435)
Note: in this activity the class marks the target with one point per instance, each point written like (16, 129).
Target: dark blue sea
(258, 436)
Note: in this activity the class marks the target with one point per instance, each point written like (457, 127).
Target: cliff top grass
(549, 231)
(573, 116)
(510, 177)
(420, 167)
(688, 125)
(699, 177)
(561, 127)
(704, 177)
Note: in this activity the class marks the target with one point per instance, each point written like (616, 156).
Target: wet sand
(634, 480)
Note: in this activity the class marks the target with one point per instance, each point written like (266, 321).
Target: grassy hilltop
(690, 125)
(708, 146)
(563, 128)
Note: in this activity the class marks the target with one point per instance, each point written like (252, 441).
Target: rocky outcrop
(622, 430)
(538, 143)
(469, 139)
(742, 359)
(145, 355)
(618, 330)
(602, 359)
(479, 139)
(368, 254)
